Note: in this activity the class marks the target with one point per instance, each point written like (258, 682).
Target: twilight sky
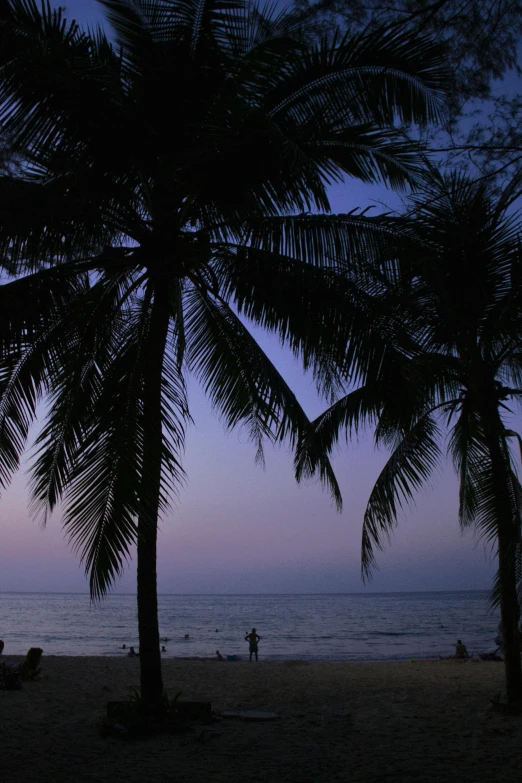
(239, 528)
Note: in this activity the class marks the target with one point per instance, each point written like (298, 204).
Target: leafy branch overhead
(482, 39)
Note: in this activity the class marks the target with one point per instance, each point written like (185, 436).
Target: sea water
(340, 627)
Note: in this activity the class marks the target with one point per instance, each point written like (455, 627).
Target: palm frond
(367, 152)
(242, 383)
(50, 76)
(409, 466)
(386, 75)
(32, 337)
(90, 328)
(102, 494)
(50, 223)
(324, 240)
(346, 416)
(470, 458)
(91, 448)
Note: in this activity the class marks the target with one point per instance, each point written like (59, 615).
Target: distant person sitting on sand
(163, 648)
(460, 650)
(489, 656)
(252, 638)
(30, 666)
(132, 653)
(219, 657)
(124, 647)
(2, 645)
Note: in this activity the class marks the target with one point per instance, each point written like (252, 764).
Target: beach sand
(422, 721)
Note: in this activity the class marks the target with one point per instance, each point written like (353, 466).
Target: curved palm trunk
(507, 535)
(150, 658)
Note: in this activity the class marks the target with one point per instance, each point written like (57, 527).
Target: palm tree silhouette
(449, 357)
(170, 188)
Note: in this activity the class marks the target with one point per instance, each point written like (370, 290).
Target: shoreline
(360, 721)
(16, 657)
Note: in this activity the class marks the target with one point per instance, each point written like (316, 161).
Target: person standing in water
(252, 638)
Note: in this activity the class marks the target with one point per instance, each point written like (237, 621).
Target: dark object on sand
(127, 720)
(9, 678)
(251, 715)
(127, 723)
(491, 656)
(115, 708)
(30, 667)
(258, 715)
(200, 711)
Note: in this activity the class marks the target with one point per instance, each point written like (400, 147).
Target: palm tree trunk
(507, 535)
(509, 614)
(150, 657)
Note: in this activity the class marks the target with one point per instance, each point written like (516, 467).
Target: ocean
(340, 627)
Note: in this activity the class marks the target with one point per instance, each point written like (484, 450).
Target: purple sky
(239, 528)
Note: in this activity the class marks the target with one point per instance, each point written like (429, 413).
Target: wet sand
(393, 722)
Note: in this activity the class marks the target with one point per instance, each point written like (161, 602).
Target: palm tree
(450, 357)
(165, 196)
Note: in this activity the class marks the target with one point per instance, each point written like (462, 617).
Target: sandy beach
(339, 721)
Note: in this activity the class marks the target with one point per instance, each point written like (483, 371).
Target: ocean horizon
(307, 626)
(353, 592)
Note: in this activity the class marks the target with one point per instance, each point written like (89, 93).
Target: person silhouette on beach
(460, 650)
(132, 653)
(219, 657)
(30, 667)
(252, 638)
(2, 645)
